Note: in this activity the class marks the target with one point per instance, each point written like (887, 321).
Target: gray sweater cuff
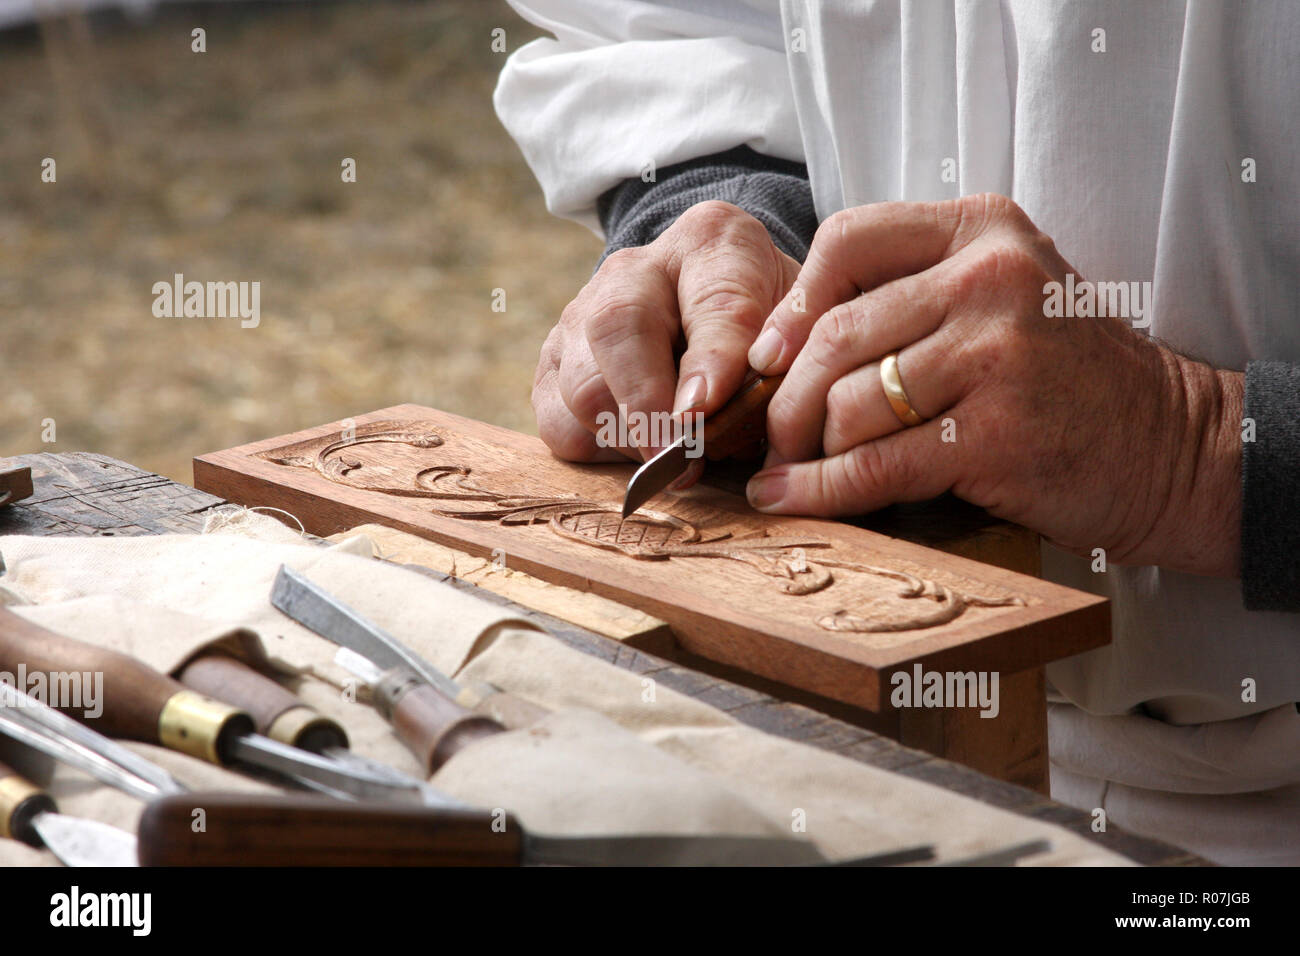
(1270, 484)
(773, 191)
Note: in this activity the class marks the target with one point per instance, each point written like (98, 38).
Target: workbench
(87, 494)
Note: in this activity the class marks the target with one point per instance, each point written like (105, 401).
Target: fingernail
(690, 395)
(766, 349)
(773, 459)
(766, 489)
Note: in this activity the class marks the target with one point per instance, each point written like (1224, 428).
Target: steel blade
(430, 796)
(43, 728)
(655, 475)
(79, 842)
(333, 620)
(669, 851)
(351, 779)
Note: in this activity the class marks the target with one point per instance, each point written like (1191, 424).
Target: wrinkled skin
(1079, 428)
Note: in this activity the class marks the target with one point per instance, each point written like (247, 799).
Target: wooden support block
(816, 604)
(591, 611)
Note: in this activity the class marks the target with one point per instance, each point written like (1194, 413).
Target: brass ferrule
(192, 724)
(14, 792)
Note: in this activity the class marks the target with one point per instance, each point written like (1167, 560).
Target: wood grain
(737, 587)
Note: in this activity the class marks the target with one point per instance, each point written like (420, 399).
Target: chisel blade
(352, 779)
(319, 611)
(79, 842)
(656, 475)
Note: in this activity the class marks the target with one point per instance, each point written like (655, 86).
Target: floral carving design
(645, 536)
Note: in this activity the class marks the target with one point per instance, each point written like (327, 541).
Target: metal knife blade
(739, 424)
(333, 620)
(655, 475)
(43, 728)
(353, 779)
(80, 842)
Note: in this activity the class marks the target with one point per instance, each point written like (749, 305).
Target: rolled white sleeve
(629, 83)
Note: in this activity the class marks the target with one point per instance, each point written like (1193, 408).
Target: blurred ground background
(225, 166)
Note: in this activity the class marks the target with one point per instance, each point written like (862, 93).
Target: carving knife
(248, 830)
(737, 425)
(142, 704)
(427, 709)
(29, 814)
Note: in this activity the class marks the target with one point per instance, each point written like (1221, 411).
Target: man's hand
(1078, 428)
(706, 283)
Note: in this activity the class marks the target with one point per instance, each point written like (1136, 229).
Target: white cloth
(1131, 159)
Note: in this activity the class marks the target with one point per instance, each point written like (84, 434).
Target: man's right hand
(708, 282)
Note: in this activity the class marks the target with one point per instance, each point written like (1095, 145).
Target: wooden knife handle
(433, 726)
(276, 712)
(138, 702)
(20, 802)
(742, 422)
(258, 830)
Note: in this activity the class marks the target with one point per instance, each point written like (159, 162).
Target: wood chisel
(29, 814)
(276, 712)
(736, 426)
(144, 705)
(253, 830)
(429, 711)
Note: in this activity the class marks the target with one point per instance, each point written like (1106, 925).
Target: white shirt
(1125, 130)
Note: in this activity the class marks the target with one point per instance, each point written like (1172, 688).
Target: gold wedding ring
(893, 386)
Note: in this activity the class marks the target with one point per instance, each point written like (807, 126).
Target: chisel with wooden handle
(251, 830)
(144, 705)
(739, 425)
(426, 707)
(276, 712)
(29, 814)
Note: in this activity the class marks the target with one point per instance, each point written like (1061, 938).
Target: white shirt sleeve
(631, 86)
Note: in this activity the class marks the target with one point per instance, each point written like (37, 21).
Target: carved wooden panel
(823, 606)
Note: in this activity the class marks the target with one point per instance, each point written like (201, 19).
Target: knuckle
(725, 300)
(834, 233)
(844, 408)
(713, 215)
(620, 259)
(869, 470)
(843, 402)
(837, 329)
(1000, 263)
(565, 441)
(587, 397)
(614, 314)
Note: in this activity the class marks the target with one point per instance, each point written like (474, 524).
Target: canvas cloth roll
(617, 753)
